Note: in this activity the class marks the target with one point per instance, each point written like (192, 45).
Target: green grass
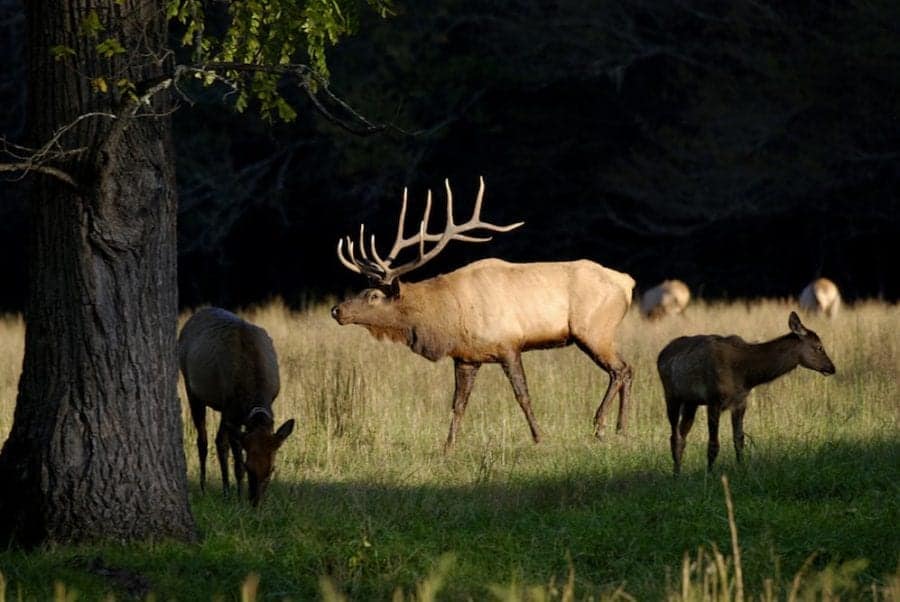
(365, 504)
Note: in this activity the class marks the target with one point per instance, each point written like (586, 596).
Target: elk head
(812, 353)
(373, 307)
(260, 445)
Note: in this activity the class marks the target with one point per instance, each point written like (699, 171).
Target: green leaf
(60, 52)
(99, 85)
(110, 47)
(91, 25)
(285, 111)
(241, 103)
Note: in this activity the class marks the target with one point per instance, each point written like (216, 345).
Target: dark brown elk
(490, 311)
(719, 372)
(230, 366)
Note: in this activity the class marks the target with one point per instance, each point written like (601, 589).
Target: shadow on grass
(628, 531)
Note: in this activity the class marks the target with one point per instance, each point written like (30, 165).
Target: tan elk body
(821, 296)
(491, 311)
(719, 372)
(668, 298)
(230, 366)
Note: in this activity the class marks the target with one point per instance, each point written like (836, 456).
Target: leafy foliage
(255, 46)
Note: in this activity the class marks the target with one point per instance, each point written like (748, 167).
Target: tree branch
(27, 167)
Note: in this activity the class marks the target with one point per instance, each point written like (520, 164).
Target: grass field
(366, 506)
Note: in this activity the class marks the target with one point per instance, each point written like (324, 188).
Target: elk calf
(719, 372)
(821, 296)
(490, 311)
(230, 365)
(665, 299)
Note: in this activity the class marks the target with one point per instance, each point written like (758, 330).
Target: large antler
(382, 270)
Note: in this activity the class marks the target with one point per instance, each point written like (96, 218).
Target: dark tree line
(743, 147)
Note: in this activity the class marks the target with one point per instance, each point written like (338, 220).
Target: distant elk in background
(490, 311)
(821, 296)
(666, 299)
(230, 365)
(719, 372)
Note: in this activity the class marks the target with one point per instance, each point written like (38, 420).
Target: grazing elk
(490, 311)
(665, 299)
(230, 365)
(719, 372)
(821, 296)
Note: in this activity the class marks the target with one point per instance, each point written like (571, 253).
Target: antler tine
(427, 216)
(352, 266)
(400, 242)
(476, 222)
(422, 229)
(450, 225)
(400, 227)
(362, 238)
(479, 197)
(384, 265)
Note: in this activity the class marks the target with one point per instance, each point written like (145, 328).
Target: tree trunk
(96, 448)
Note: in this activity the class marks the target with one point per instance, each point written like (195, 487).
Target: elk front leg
(222, 453)
(516, 375)
(712, 448)
(465, 379)
(737, 430)
(234, 438)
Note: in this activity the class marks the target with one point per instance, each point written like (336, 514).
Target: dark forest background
(744, 147)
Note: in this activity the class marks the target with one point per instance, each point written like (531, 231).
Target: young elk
(490, 310)
(719, 372)
(821, 296)
(666, 299)
(230, 365)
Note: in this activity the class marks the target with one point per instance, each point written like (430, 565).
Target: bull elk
(489, 311)
(668, 298)
(821, 296)
(719, 372)
(230, 365)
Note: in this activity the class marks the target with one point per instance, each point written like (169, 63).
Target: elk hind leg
(512, 366)
(685, 412)
(737, 430)
(198, 416)
(465, 379)
(620, 375)
(712, 448)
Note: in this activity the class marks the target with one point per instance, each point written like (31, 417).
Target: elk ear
(795, 325)
(284, 430)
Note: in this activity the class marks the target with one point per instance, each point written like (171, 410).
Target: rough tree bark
(95, 450)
